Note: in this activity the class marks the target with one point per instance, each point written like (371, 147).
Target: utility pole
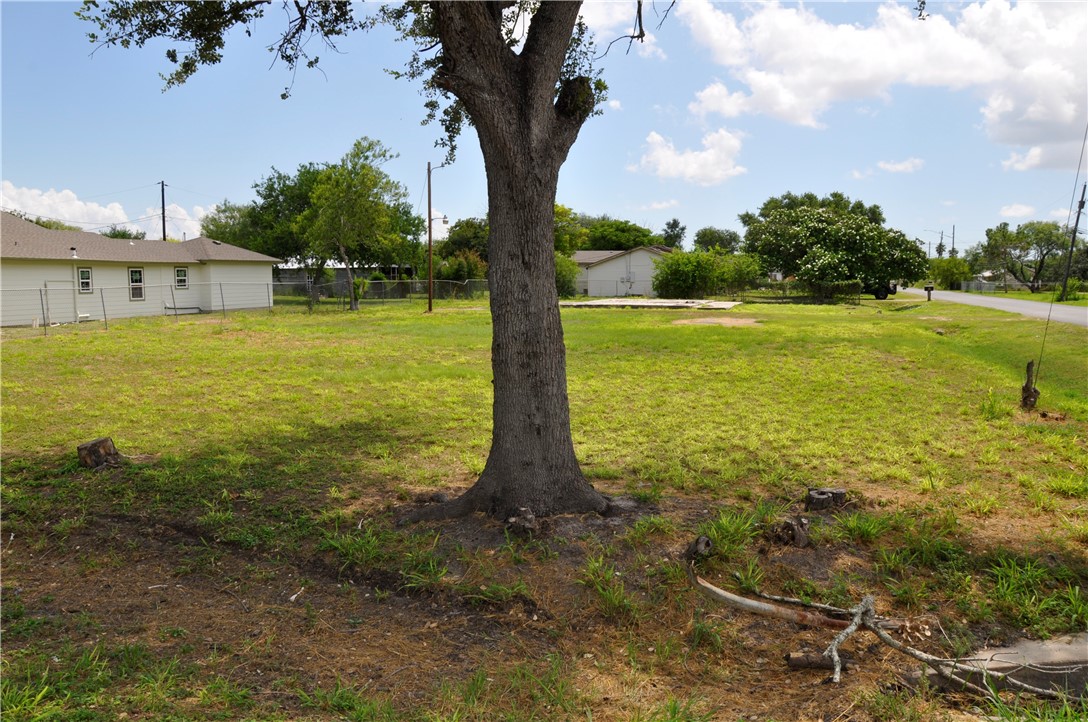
(1072, 245)
(430, 242)
(162, 185)
(430, 246)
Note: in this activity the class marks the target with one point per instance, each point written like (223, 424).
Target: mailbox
(929, 290)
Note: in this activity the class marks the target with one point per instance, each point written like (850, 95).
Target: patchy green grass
(267, 452)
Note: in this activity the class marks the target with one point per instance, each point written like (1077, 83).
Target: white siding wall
(631, 274)
(245, 285)
(47, 291)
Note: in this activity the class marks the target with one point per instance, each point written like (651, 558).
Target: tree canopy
(1026, 253)
(821, 246)
(723, 238)
(835, 202)
(673, 235)
(616, 235)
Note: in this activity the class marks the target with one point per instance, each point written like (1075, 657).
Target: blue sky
(972, 117)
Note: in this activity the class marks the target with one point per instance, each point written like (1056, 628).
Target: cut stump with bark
(1029, 395)
(97, 453)
(819, 499)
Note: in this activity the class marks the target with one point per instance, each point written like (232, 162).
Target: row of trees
(349, 212)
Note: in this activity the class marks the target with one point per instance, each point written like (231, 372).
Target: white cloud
(1025, 62)
(65, 206)
(1029, 160)
(614, 105)
(909, 165)
(861, 174)
(660, 205)
(714, 164)
(1016, 210)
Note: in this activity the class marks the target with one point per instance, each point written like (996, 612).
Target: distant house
(49, 276)
(618, 273)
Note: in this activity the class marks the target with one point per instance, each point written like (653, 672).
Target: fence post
(45, 317)
(102, 297)
(270, 298)
(222, 299)
(174, 303)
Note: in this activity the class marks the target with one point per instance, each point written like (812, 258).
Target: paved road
(1037, 309)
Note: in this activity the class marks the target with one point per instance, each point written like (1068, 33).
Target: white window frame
(136, 288)
(85, 285)
(181, 277)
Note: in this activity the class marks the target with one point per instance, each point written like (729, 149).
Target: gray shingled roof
(592, 258)
(22, 239)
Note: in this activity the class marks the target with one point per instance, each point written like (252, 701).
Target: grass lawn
(244, 562)
(1042, 297)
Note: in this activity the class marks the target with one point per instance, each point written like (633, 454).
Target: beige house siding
(625, 274)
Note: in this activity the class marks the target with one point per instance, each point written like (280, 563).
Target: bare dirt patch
(275, 625)
(716, 321)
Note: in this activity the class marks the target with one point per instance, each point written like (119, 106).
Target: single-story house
(49, 276)
(618, 273)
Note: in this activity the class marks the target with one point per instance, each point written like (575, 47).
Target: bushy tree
(836, 203)
(687, 275)
(723, 238)
(50, 223)
(352, 213)
(820, 245)
(570, 234)
(465, 265)
(1026, 253)
(615, 235)
(699, 274)
(949, 272)
(230, 223)
(116, 231)
(673, 235)
(467, 234)
(566, 275)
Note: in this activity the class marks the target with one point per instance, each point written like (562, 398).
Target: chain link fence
(60, 307)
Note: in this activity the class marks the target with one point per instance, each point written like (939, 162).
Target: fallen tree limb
(864, 617)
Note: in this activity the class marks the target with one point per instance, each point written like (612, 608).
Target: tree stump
(818, 499)
(99, 452)
(791, 532)
(1029, 395)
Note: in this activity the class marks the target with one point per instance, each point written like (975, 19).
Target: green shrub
(703, 273)
(566, 273)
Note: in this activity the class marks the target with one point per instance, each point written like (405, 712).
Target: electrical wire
(1072, 247)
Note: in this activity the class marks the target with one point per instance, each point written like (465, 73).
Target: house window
(181, 278)
(135, 284)
(85, 285)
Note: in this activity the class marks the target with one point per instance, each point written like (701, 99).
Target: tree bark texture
(525, 135)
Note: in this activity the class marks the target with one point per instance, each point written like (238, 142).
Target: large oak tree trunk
(525, 135)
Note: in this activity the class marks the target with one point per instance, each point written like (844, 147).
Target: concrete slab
(632, 302)
(1059, 664)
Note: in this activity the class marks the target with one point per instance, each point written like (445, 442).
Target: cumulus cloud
(1025, 62)
(660, 205)
(909, 165)
(715, 163)
(65, 206)
(614, 105)
(1027, 161)
(1016, 210)
(861, 174)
